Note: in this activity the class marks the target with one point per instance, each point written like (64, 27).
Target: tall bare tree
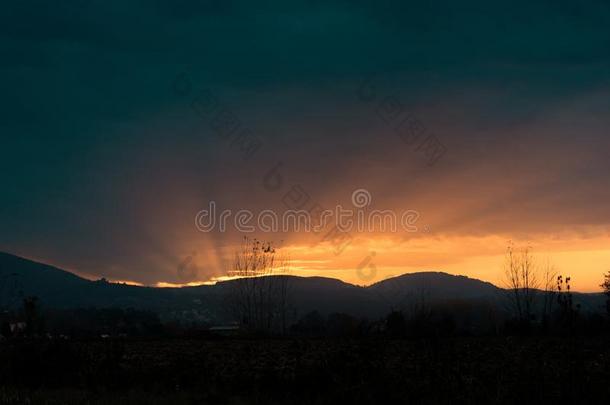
(606, 287)
(522, 280)
(549, 275)
(258, 300)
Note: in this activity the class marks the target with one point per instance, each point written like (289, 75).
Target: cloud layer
(105, 164)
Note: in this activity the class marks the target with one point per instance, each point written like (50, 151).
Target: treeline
(396, 324)
(33, 322)
(442, 324)
(450, 319)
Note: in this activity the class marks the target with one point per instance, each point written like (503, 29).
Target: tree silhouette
(522, 281)
(259, 301)
(606, 287)
(568, 311)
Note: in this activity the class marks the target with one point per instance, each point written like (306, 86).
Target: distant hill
(20, 277)
(57, 288)
(436, 285)
(61, 289)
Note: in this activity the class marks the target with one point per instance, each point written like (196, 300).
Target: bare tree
(568, 311)
(549, 275)
(521, 280)
(259, 301)
(606, 287)
(283, 292)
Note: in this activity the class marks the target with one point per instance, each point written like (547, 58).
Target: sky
(121, 121)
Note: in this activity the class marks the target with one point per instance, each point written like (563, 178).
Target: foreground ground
(180, 371)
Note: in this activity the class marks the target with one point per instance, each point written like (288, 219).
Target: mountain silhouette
(435, 285)
(58, 288)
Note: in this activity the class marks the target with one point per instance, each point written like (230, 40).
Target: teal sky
(103, 165)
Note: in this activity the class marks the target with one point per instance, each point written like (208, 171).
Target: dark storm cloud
(104, 165)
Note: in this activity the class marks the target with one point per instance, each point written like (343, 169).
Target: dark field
(181, 371)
